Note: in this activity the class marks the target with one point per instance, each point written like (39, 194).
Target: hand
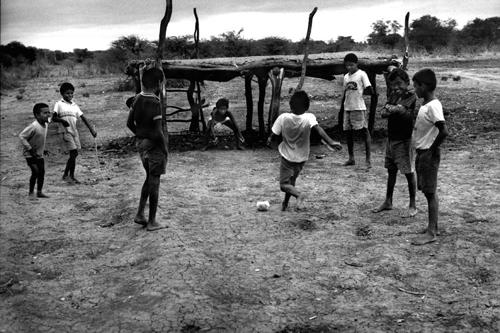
(64, 123)
(33, 153)
(46, 153)
(268, 142)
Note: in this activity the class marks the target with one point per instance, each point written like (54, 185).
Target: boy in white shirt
(429, 132)
(356, 84)
(295, 129)
(33, 139)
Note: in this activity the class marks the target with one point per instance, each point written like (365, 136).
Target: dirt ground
(77, 263)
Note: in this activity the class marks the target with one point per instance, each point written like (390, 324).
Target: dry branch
(306, 49)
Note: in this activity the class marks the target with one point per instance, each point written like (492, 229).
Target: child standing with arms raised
(33, 139)
(67, 113)
(356, 83)
(295, 129)
(429, 132)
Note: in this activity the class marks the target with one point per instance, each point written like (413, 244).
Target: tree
(481, 32)
(429, 32)
(132, 45)
(385, 33)
(82, 54)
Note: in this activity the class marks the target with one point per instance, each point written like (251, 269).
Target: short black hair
(222, 102)
(351, 57)
(426, 76)
(151, 77)
(65, 87)
(130, 101)
(300, 97)
(398, 72)
(38, 108)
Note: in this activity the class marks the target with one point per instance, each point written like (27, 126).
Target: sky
(93, 24)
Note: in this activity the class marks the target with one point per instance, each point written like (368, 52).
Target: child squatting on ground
(67, 113)
(145, 121)
(33, 140)
(399, 112)
(429, 132)
(295, 129)
(222, 116)
(356, 84)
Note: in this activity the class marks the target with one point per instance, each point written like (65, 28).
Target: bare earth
(77, 263)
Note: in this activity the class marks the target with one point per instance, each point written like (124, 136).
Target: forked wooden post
(159, 55)
(406, 57)
(373, 101)
(306, 49)
(249, 100)
(276, 76)
(262, 80)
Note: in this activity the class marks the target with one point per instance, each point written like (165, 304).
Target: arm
(89, 126)
(159, 137)
(443, 133)
(131, 122)
(333, 144)
(272, 138)
(368, 91)
(24, 136)
(56, 119)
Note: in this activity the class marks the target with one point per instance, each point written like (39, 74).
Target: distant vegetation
(428, 35)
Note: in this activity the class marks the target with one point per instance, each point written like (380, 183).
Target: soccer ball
(263, 205)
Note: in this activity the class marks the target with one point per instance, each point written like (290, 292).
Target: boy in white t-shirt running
(356, 84)
(428, 134)
(295, 129)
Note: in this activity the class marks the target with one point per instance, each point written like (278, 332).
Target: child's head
(398, 79)
(299, 102)
(424, 81)
(222, 104)
(351, 62)
(151, 78)
(67, 90)
(41, 112)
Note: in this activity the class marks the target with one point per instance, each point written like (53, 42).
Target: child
(429, 132)
(222, 116)
(67, 113)
(356, 84)
(399, 112)
(295, 129)
(33, 139)
(145, 122)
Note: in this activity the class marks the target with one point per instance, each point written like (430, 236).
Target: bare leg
(350, 148)
(154, 188)
(391, 182)
(140, 218)
(412, 188)
(291, 190)
(432, 228)
(238, 138)
(284, 205)
(368, 147)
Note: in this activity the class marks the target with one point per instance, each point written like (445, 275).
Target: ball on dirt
(263, 206)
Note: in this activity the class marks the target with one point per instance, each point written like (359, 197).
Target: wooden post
(262, 80)
(276, 76)
(407, 41)
(200, 102)
(159, 55)
(249, 100)
(373, 101)
(306, 49)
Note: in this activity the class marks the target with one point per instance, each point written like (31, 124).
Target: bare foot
(384, 206)
(240, 148)
(41, 195)
(411, 212)
(31, 196)
(349, 162)
(284, 206)
(424, 239)
(152, 226)
(300, 202)
(425, 231)
(140, 219)
(368, 165)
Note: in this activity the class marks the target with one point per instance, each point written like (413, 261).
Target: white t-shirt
(425, 131)
(33, 137)
(295, 130)
(69, 112)
(354, 85)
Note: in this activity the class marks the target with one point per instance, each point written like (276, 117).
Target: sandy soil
(76, 262)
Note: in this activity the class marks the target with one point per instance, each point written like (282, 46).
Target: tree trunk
(249, 100)
(260, 106)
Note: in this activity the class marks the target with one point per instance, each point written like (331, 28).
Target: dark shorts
(427, 165)
(289, 170)
(399, 156)
(38, 162)
(152, 158)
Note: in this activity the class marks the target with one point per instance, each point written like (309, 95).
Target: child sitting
(33, 139)
(222, 116)
(399, 112)
(295, 129)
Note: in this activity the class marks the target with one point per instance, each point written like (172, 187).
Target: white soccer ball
(263, 205)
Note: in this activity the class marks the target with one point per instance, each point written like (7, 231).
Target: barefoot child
(145, 122)
(33, 139)
(356, 84)
(67, 113)
(429, 132)
(295, 129)
(399, 112)
(222, 116)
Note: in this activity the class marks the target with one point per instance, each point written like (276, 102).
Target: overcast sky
(94, 24)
